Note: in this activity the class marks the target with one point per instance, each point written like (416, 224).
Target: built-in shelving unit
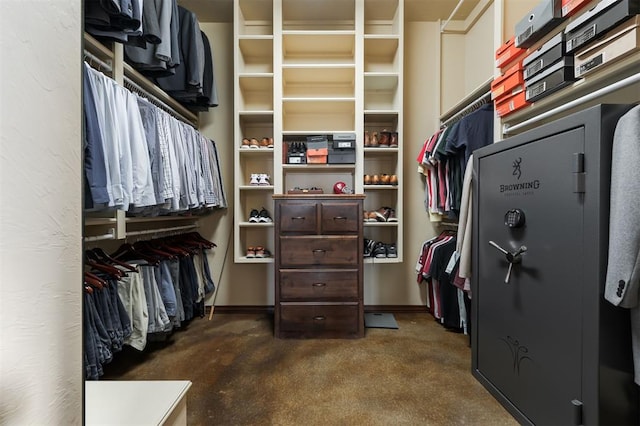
(303, 68)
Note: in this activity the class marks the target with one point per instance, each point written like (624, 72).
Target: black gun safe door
(545, 343)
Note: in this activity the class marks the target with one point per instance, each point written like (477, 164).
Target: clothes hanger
(107, 269)
(101, 255)
(128, 252)
(146, 246)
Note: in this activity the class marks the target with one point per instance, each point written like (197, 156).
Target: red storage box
(506, 84)
(569, 7)
(510, 104)
(507, 53)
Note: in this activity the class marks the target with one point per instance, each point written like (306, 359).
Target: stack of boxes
(507, 91)
(566, 56)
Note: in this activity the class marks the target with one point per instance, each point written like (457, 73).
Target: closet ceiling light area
(415, 10)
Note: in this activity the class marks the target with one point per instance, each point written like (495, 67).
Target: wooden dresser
(318, 266)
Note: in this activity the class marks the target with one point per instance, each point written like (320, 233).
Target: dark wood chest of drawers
(318, 266)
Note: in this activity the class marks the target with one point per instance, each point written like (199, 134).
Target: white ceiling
(415, 10)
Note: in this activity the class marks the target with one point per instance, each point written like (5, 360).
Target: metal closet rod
(472, 106)
(161, 230)
(154, 100)
(93, 58)
(576, 102)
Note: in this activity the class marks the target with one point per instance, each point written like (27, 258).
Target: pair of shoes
(257, 252)
(266, 142)
(259, 179)
(261, 216)
(386, 214)
(382, 250)
(385, 138)
(369, 246)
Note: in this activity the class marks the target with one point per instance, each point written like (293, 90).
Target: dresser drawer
(340, 218)
(299, 217)
(319, 320)
(319, 251)
(318, 284)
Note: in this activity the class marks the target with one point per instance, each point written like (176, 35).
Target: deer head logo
(516, 168)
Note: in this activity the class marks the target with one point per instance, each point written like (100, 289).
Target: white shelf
(336, 67)
(368, 260)
(255, 225)
(380, 187)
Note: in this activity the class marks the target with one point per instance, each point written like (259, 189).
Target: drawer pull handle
(319, 318)
(339, 218)
(318, 251)
(298, 218)
(319, 284)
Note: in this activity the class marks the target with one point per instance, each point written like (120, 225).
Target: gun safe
(545, 342)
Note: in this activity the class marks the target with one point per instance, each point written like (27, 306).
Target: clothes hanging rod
(156, 101)
(470, 107)
(479, 93)
(161, 230)
(109, 236)
(451, 16)
(101, 64)
(574, 103)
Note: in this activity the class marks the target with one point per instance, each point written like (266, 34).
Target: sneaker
(264, 216)
(251, 252)
(254, 143)
(254, 216)
(392, 250)
(264, 142)
(255, 179)
(369, 245)
(263, 179)
(380, 250)
(245, 143)
(270, 145)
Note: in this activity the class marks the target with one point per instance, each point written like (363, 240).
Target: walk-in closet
(319, 211)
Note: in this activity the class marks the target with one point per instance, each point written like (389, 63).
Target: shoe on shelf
(263, 179)
(255, 179)
(367, 180)
(264, 143)
(251, 252)
(369, 245)
(393, 180)
(392, 215)
(254, 216)
(264, 216)
(384, 179)
(254, 144)
(385, 136)
(382, 214)
(380, 250)
(374, 140)
(270, 144)
(392, 250)
(245, 143)
(393, 142)
(375, 180)
(261, 252)
(367, 140)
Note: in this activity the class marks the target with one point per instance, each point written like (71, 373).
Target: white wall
(40, 212)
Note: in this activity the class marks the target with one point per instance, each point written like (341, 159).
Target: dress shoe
(374, 140)
(367, 180)
(385, 136)
(393, 142)
(367, 140)
(384, 179)
(393, 180)
(375, 180)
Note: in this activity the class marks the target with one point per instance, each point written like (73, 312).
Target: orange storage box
(510, 104)
(506, 84)
(507, 53)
